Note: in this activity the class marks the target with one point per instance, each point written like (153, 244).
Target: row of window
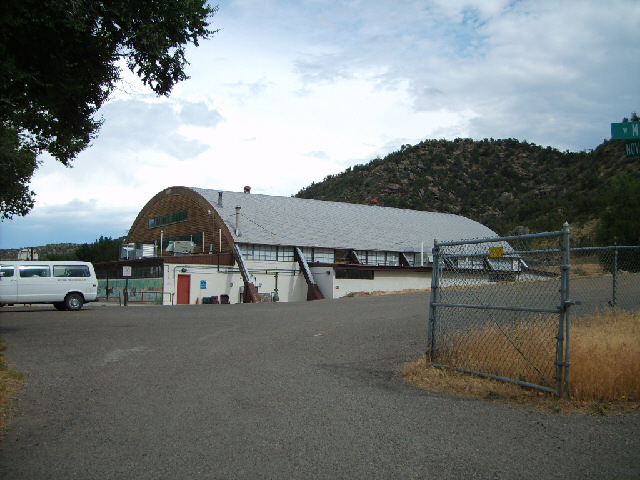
(36, 271)
(378, 258)
(326, 255)
(267, 252)
(168, 219)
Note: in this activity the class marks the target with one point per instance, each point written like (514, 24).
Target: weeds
(604, 356)
(10, 382)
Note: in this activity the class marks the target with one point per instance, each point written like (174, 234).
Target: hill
(508, 185)
(43, 252)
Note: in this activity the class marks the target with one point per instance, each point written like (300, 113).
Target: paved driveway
(282, 391)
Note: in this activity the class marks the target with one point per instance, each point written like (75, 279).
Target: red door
(184, 289)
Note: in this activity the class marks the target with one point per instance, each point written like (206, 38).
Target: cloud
(199, 113)
(290, 92)
(135, 125)
(317, 154)
(76, 221)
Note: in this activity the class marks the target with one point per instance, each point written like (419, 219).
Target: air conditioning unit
(181, 247)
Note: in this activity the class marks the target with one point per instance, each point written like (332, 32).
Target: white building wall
(228, 281)
(383, 281)
(292, 286)
(324, 281)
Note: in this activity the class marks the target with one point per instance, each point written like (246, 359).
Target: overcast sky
(289, 92)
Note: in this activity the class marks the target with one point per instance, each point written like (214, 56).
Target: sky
(288, 92)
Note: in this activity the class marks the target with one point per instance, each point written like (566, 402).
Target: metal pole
(563, 350)
(435, 279)
(615, 277)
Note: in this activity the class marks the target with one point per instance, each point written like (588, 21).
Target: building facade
(209, 245)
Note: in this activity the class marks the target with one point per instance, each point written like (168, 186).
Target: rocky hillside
(508, 185)
(43, 252)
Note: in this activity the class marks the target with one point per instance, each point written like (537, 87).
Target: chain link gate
(500, 308)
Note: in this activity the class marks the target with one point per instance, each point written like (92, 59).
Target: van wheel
(59, 306)
(73, 301)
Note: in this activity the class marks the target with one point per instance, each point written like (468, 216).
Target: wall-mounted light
(231, 284)
(183, 270)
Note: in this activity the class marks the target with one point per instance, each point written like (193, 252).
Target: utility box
(180, 247)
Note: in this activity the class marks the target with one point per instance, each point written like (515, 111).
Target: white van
(67, 285)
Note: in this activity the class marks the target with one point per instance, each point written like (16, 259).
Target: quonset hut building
(211, 246)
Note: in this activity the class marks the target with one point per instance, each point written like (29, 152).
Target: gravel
(296, 390)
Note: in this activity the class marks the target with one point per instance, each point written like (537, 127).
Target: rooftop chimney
(247, 189)
(238, 234)
(219, 199)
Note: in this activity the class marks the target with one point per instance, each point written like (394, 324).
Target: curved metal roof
(290, 221)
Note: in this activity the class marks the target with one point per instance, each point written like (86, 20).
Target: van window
(6, 270)
(28, 271)
(71, 271)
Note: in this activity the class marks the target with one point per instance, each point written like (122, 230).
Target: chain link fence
(604, 277)
(499, 308)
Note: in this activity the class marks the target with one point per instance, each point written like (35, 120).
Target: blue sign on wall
(203, 284)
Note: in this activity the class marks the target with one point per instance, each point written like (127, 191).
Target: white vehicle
(67, 285)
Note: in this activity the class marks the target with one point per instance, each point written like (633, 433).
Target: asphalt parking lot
(274, 391)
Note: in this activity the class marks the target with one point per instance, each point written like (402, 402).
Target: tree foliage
(620, 220)
(61, 61)
(103, 249)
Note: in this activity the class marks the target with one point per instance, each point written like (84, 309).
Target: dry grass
(508, 351)
(380, 293)
(10, 383)
(605, 357)
(605, 354)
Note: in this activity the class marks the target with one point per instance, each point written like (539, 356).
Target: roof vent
(238, 234)
(219, 199)
(247, 189)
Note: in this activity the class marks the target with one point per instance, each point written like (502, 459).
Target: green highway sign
(632, 148)
(625, 131)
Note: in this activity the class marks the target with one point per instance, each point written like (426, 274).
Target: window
(393, 259)
(265, 252)
(376, 258)
(318, 255)
(246, 250)
(71, 271)
(33, 271)
(411, 258)
(168, 219)
(347, 274)
(323, 255)
(285, 254)
(6, 271)
(470, 263)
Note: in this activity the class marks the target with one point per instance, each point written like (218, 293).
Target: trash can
(224, 299)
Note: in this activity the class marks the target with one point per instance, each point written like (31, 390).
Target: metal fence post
(563, 327)
(435, 279)
(615, 276)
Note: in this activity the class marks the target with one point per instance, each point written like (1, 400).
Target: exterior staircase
(313, 291)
